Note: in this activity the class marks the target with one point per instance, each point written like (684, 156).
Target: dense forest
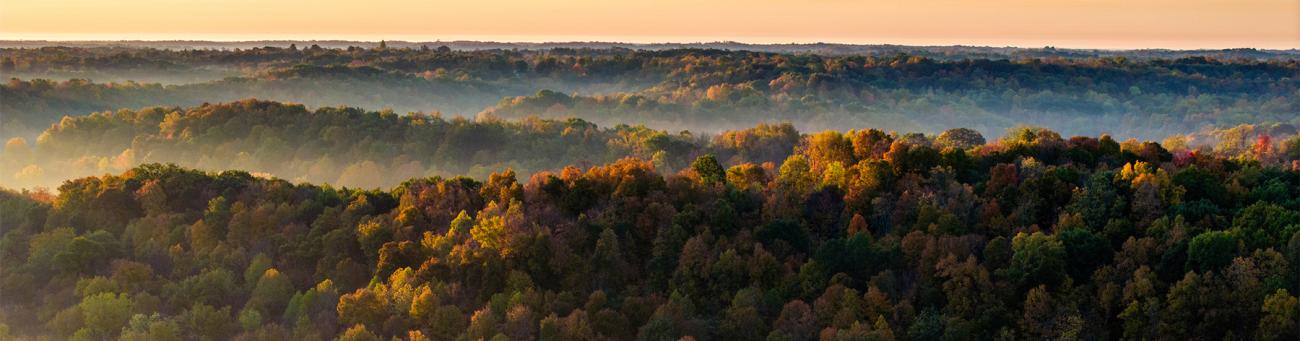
(1143, 95)
(857, 235)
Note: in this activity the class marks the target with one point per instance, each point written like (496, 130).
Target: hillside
(858, 236)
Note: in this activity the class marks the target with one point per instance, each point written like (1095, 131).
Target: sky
(1107, 24)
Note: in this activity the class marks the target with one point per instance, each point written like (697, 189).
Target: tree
(795, 174)
(1085, 251)
(910, 156)
(858, 224)
(447, 322)
(1293, 255)
(960, 138)
(1201, 184)
(796, 322)
(1264, 224)
(549, 329)
(1281, 320)
(86, 252)
(106, 313)
(151, 328)
(272, 293)
(519, 323)
(1186, 300)
(709, 170)
(250, 319)
(827, 147)
(786, 232)
(256, 269)
(358, 333)
(363, 307)
(928, 325)
(1211, 250)
(1046, 319)
(205, 322)
(483, 325)
(609, 259)
(44, 246)
(746, 176)
(742, 320)
(1098, 201)
(1037, 259)
(971, 293)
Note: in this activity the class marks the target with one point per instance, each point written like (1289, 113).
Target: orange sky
(1032, 23)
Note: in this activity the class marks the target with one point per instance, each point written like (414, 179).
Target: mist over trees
(1138, 95)
(352, 147)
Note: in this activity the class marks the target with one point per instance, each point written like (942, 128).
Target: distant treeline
(938, 52)
(854, 236)
(31, 106)
(377, 149)
(695, 89)
(353, 147)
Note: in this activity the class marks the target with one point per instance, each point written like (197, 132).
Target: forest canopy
(865, 235)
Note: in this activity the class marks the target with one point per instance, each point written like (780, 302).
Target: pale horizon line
(1074, 44)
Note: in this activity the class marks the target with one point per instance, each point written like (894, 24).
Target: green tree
(151, 328)
(44, 246)
(708, 169)
(250, 319)
(608, 257)
(256, 269)
(1265, 224)
(1085, 251)
(1211, 250)
(742, 319)
(106, 313)
(87, 252)
(1037, 259)
(795, 174)
(207, 323)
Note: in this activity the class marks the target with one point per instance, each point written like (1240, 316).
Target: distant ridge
(963, 51)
